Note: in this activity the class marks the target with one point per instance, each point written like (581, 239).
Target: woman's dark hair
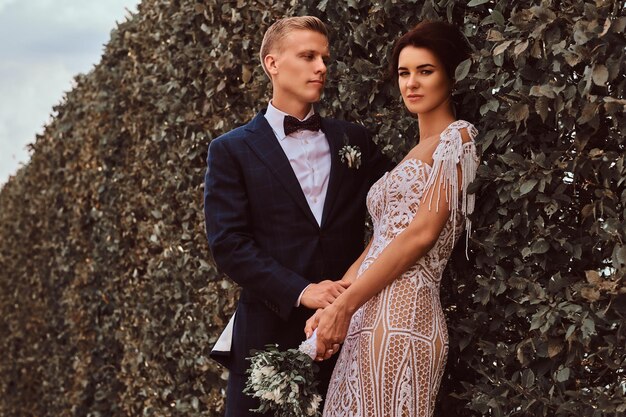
(443, 39)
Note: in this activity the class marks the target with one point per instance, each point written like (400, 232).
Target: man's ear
(271, 64)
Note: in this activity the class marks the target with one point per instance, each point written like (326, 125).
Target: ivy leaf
(491, 105)
(619, 257)
(520, 47)
(474, 3)
(589, 111)
(600, 74)
(590, 294)
(607, 26)
(462, 69)
(540, 246)
(580, 37)
(527, 186)
(588, 328)
(562, 375)
(528, 378)
(501, 47)
(494, 36)
(497, 17)
(518, 112)
(542, 108)
(620, 25)
(246, 74)
(555, 346)
(542, 91)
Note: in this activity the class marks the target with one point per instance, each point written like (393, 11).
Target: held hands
(332, 325)
(323, 294)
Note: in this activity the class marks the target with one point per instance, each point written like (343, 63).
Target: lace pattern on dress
(393, 358)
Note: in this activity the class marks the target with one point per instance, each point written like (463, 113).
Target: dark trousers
(239, 404)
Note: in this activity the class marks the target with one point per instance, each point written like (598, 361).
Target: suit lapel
(335, 142)
(264, 143)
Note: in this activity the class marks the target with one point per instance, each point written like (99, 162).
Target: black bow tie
(291, 124)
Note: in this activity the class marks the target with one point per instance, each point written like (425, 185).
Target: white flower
(259, 375)
(268, 371)
(313, 406)
(351, 155)
(272, 379)
(256, 377)
(278, 396)
(269, 395)
(295, 388)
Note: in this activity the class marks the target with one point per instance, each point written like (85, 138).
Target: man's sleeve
(228, 227)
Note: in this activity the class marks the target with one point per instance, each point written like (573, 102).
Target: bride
(390, 319)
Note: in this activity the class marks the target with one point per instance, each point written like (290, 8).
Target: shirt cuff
(300, 297)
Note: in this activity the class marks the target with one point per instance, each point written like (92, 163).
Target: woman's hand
(332, 327)
(311, 323)
(309, 328)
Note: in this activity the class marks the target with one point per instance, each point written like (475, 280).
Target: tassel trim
(450, 152)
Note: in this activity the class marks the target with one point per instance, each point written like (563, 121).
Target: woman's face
(423, 80)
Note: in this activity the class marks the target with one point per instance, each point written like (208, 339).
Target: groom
(284, 213)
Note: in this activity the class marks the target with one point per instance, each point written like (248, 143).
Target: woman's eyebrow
(418, 67)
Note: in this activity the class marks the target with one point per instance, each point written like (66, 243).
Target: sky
(43, 45)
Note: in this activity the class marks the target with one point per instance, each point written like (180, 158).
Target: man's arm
(228, 226)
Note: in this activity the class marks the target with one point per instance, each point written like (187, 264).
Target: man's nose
(321, 66)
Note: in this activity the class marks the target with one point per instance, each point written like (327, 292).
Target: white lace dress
(393, 358)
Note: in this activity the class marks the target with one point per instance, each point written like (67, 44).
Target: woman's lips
(414, 97)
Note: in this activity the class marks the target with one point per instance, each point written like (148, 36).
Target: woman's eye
(403, 74)
(426, 72)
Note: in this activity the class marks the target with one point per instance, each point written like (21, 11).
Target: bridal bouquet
(284, 381)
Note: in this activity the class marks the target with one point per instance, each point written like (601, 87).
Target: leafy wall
(109, 301)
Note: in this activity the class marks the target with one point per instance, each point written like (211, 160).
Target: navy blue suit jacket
(263, 235)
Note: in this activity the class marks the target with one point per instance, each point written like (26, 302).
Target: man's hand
(322, 294)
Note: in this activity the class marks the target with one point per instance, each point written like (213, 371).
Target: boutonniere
(351, 155)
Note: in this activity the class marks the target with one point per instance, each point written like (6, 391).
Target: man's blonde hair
(281, 28)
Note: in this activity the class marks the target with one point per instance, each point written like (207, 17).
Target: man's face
(298, 68)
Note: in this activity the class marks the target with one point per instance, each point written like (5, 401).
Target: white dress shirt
(309, 155)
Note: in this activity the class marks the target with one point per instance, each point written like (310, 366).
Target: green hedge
(109, 301)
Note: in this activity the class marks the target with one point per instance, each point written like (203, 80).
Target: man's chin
(314, 98)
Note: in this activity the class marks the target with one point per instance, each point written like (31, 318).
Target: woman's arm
(402, 252)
